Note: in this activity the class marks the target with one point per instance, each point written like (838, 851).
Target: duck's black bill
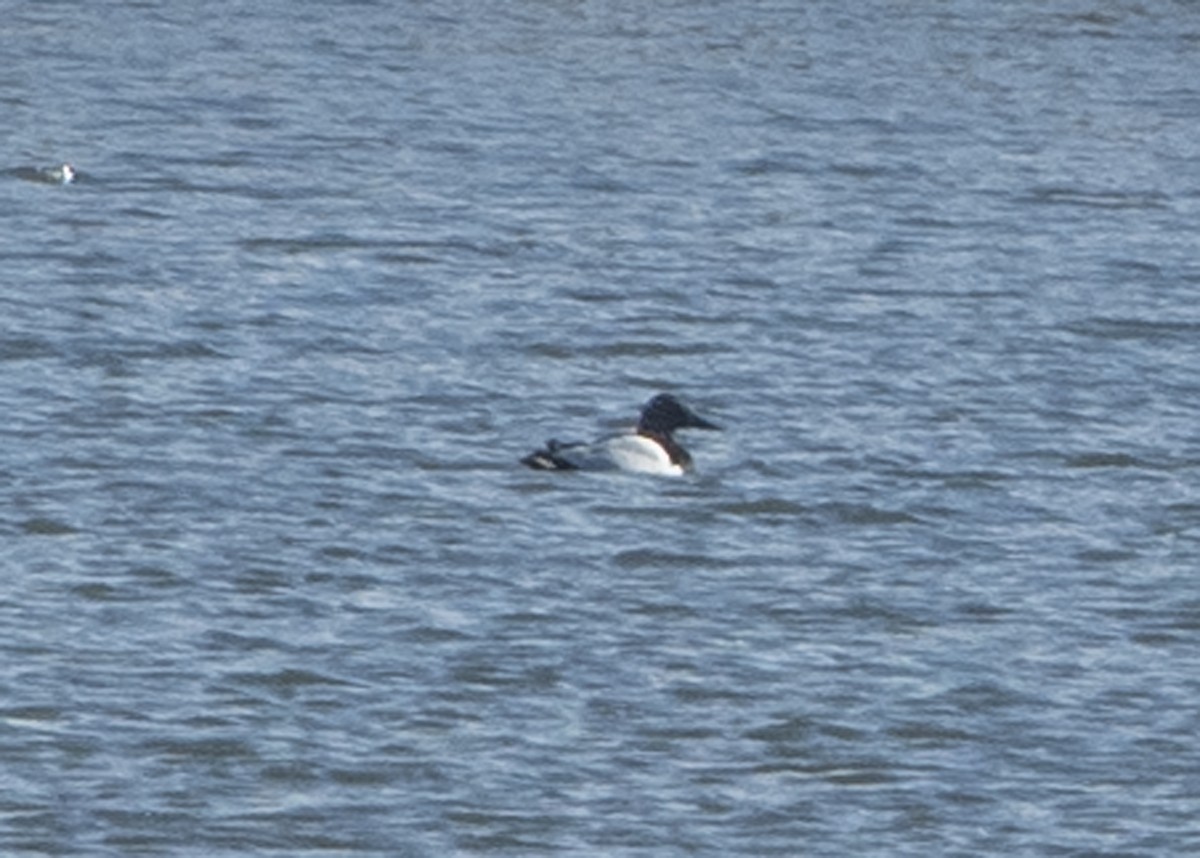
(695, 422)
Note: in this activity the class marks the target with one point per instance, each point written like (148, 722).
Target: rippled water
(275, 584)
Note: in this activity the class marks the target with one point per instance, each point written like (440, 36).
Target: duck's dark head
(663, 414)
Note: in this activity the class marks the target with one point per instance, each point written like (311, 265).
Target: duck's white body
(633, 453)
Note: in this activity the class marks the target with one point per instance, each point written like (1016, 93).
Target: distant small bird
(650, 449)
(63, 174)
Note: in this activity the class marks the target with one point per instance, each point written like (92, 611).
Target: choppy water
(274, 584)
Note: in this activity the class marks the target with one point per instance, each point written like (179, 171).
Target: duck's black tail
(549, 459)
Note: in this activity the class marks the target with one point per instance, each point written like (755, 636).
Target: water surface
(275, 584)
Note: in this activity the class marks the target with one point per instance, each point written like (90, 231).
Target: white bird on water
(63, 174)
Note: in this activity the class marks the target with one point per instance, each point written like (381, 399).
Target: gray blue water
(272, 581)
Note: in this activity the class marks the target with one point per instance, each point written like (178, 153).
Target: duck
(63, 174)
(650, 448)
